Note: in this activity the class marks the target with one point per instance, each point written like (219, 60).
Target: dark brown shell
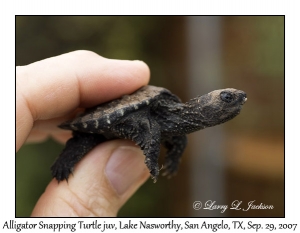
(107, 113)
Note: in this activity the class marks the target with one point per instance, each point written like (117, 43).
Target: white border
(289, 8)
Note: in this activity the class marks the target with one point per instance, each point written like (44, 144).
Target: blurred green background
(187, 55)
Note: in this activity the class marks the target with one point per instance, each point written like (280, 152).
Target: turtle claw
(61, 172)
(154, 179)
(169, 170)
(154, 174)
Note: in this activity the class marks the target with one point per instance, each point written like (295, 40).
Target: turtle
(150, 116)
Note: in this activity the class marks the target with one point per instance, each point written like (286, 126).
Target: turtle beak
(243, 97)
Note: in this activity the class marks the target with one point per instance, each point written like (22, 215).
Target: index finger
(56, 86)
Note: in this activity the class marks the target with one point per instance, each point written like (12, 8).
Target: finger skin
(53, 89)
(56, 86)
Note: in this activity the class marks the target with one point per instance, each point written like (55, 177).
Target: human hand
(52, 90)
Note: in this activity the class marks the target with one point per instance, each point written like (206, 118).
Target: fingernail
(125, 167)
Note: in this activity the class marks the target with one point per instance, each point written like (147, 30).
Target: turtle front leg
(146, 134)
(151, 150)
(76, 147)
(175, 147)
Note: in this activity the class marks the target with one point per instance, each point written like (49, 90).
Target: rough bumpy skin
(150, 116)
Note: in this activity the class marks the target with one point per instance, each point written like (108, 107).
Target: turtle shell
(99, 119)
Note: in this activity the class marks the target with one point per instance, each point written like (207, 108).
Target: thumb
(102, 182)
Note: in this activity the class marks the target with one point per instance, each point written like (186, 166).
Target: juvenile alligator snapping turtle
(150, 116)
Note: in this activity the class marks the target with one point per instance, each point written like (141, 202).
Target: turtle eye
(226, 96)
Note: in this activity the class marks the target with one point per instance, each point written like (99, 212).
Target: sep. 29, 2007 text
(270, 227)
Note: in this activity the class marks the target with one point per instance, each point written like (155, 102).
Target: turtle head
(217, 106)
